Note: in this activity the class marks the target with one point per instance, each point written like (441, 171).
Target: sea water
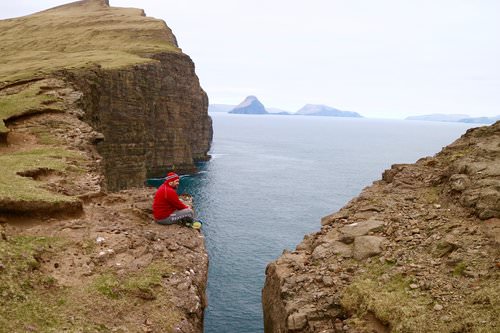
(269, 182)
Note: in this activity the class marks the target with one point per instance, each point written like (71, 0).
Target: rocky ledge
(418, 251)
(109, 270)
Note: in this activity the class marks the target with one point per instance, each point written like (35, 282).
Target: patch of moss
(460, 269)
(26, 101)
(20, 280)
(431, 195)
(108, 285)
(449, 155)
(34, 301)
(387, 296)
(389, 301)
(14, 187)
(142, 283)
(45, 137)
(141, 289)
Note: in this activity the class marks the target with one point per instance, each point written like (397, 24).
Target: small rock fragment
(438, 307)
(297, 321)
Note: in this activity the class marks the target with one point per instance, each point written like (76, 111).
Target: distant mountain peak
(248, 101)
(250, 105)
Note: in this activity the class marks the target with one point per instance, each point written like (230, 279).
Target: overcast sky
(384, 58)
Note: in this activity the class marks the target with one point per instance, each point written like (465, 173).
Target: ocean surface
(269, 182)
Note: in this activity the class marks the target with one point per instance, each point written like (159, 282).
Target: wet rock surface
(417, 251)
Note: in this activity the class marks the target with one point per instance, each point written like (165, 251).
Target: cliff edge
(93, 100)
(137, 89)
(418, 251)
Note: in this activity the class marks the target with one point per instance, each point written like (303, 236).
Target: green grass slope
(77, 35)
(17, 191)
(27, 101)
(73, 36)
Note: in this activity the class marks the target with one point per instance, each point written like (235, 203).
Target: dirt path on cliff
(115, 236)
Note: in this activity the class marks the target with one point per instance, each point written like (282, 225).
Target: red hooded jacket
(166, 201)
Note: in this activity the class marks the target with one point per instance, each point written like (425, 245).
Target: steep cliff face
(78, 258)
(418, 251)
(138, 89)
(93, 99)
(153, 117)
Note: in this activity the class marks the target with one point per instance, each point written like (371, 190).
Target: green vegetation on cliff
(78, 35)
(20, 169)
(32, 300)
(33, 156)
(29, 100)
(73, 257)
(397, 301)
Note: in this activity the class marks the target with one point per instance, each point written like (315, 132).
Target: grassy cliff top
(77, 35)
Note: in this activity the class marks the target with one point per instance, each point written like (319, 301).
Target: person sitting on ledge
(167, 208)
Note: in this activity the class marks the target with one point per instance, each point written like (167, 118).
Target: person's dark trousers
(175, 217)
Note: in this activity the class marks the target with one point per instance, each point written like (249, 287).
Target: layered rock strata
(111, 101)
(418, 251)
(138, 90)
(153, 117)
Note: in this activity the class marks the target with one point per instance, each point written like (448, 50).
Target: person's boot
(196, 224)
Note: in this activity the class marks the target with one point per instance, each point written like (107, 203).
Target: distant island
(220, 107)
(481, 120)
(439, 117)
(323, 110)
(276, 111)
(461, 118)
(252, 105)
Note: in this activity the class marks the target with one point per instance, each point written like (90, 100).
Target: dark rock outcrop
(418, 251)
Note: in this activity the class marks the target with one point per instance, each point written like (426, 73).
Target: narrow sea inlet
(269, 182)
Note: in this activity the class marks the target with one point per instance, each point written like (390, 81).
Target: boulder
(351, 231)
(326, 250)
(367, 246)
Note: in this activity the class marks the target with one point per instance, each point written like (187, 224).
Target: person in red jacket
(167, 208)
